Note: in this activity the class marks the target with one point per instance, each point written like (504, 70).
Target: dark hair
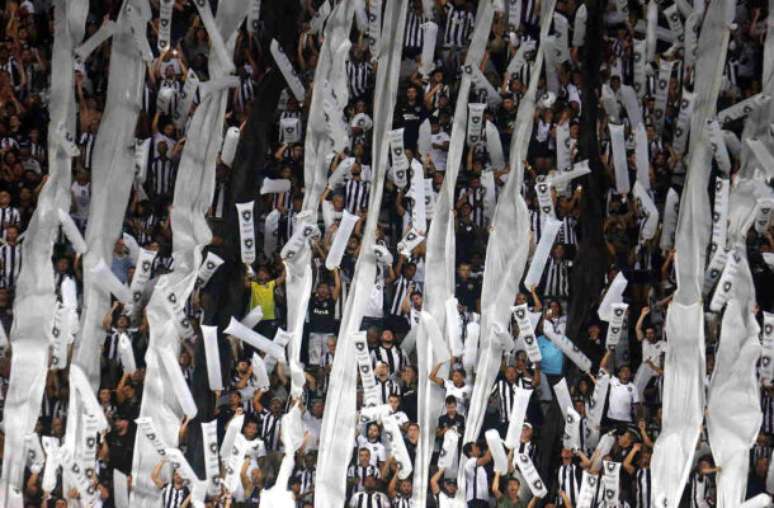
(450, 399)
(467, 448)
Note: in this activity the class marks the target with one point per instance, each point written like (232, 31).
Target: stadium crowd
(632, 409)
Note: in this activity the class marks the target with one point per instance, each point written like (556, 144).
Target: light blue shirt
(553, 358)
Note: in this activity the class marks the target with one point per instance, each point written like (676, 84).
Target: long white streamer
(615, 329)
(527, 332)
(429, 35)
(530, 474)
(495, 444)
(620, 164)
(475, 123)
(521, 398)
(648, 209)
(680, 141)
(614, 294)
(246, 231)
(543, 250)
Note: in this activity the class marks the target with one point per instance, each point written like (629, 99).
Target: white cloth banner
(727, 282)
(597, 402)
(454, 327)
(545, 201)
(571, 436)
(718, 144)
(569, 349)
(429, 36)
(494, 146)
(611, 475)
(563, 396)
(287, 70)
(527, 332)
(588, 489)
(365, 368)
(715, 269)
(495, 444)
(340, 240)
(185, 99)
(648, 210)
(767, 343)
(211, 263)
(680, 141)
(579, 26)
(543, 250)
(720, 215)
(615, 328)
(530, 474)
(614, 294)
(640, 77)
(475, 123)
(521, 398)
(683, 408)
(397, 153)
(246, 231)
(763, 214)
(641, 156)
(671, 210)
(255, 339)
(211, 463)
(620, 164)
(662, 90)
(417, 191)
(212, 356)
(71, 232)
(230, 142)
(742, 108)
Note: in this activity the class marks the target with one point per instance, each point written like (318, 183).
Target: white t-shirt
(622, 398)
(439, 156)
(652, 351)
(378, 451)
(462, 394)
(82, 197)
(476, 483)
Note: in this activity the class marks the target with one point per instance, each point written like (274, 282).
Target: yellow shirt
(263, 295)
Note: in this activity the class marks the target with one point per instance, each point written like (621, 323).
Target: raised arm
(638, 327)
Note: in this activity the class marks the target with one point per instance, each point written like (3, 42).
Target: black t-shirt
(322, 316)
(410, 117)
(121, 449)
(467, 292)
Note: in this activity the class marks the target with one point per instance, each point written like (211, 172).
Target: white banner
(615, 328)
(475, 123)
(742, 108)
(648, 209)
(230, 142)
(212, 356)
(620, 164)
(246, 231)
(543, 250)
(365, 368)
(288, 71)
(726, 284)
(611, 475)
(614, 294)
(720, 216)
(680, 141)
(211, 263)
(497, 450)
(718, 144)
(662, 90)
(521, 398)
(530, 474)
(527, 332)
(211, 463)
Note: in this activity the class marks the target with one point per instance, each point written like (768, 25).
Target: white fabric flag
(597, 402)
(733, 410)
(494, 146)
(563, 396)
(680, 141)
(275, 186)
(620, 163)
(570, 350)
(545, 201)
(640, 78)
(109, 283)
(424, 140)
(727, 282)
(246, 231)
(253, 16)
(448, 449)
(742, 108)
(397, 447)
(648, 209)
(521, 398)
(186, 98)
(230, 142)
(120, 489)
(671, 209)
(588, 489)
(255, 339)
(148, 429)
(577, 170)
(287, 70)
(662, 89)
(475, 123)
(290, 130)
(763, 214)
(54, 456)
(530, 474)
(410, 242)
(260, 372)
(579, 26)
(611, 475)
(641, 156)
(270, 230)
(71, 232)
(715, 269)
(571, 436)
(614, 294)
(720, 215)
(643, 376)
(563, 155)
(374, 33)
(767, 343)
(417, 191)
(340, 240)
(615, 329)
(497, 450)
(454, 327)
(429, 35)
(211, 463)
(543, 250)
(212, 356)
(233, 428)
(179, 384)
(142, 274)
(628, 97)
(527, 332)
(211, 263)
(397, 153)
(365, 368)
(683, 408)
(759, 501)
(675, 23)
(126, 354)
(718, 144)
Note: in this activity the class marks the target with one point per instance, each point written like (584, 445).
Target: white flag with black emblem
(527, 332)
(530, 474)
(475, 123)
(246, 231)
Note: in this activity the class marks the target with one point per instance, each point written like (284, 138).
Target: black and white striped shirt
(270, 430)
(400, 289)
(11, 259)
(568, 482)
(245, 94)
(359, 78)
(414, 35)
(172, 497)
(401, 501)
(372, 500)
(86, 144)
(393, 357)
(458, 27)
(567, 231)
(9, 216)
(360, 472)
(644, 492)
(475, 198)
(557, 278)
(163, 172)
(386, 388)
(356, 194)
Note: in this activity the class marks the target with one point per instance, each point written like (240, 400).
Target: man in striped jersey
(9, 215)
(370, 497)
(174, 494)
(10, 258)
(358, 472)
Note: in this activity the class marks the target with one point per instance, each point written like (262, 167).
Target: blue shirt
(553, 358)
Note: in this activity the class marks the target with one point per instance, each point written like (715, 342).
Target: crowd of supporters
(632, 409)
